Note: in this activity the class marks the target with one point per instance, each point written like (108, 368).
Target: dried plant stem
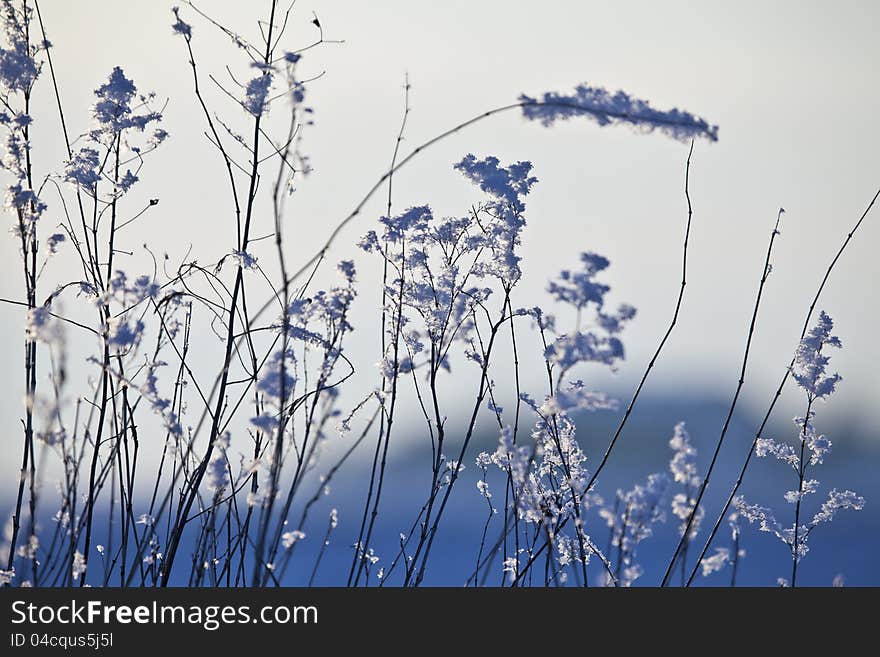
(194, 483)
(765, 273)
(778, 392)
(663, 340)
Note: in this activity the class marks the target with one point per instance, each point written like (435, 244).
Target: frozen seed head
(810, 360)
(606, 108)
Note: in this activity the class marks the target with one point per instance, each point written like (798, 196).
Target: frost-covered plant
(724, 556)
(253, 409)
(606, 108)
(683, 467)
(631, 520)
(549, 480)
(440, 277)
(20, 66)
(811, 448)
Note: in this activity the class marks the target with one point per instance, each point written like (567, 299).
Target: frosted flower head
(127, 181)
(542, 321)
(78, 567)
(159, 135)
(42, 327)
(347, 269)
(83, 168)
(124, 334)
(632, 518)
(606, 108)
(276, 385)
(217, 474)
(584, 347)
(18, 69)
(810, 361)
(25, 202)
(838, 501)
(244, 259)
(256, 94)
(54, 240)
(782, 451)
(129, 292)
(288, 539)
(265, 422)
(511, 566)
(683, 464)
(414, 220)
(755, 513)
(507, 188)
(483, 487)
(716, 562)
(179, 26)
(113, 111)
(819, 447)
(18, 66)
(508, 184)
(580, 288)
(576, 396)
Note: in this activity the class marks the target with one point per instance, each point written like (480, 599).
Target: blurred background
(791, 86)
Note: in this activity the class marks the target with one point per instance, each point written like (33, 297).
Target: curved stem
(778, 393)
(742, 377)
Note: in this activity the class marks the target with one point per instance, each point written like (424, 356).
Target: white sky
(792, 85)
